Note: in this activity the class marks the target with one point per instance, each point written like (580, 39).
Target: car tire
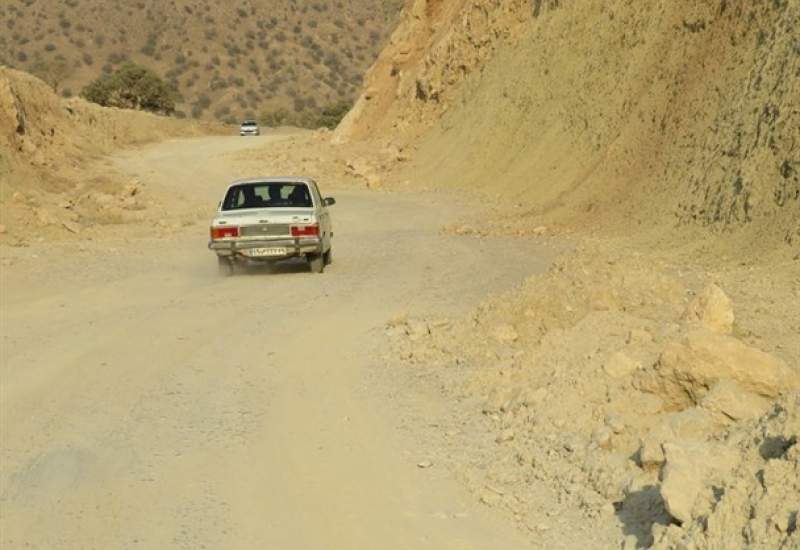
(316, 262)
(328, 256)
(225, 266)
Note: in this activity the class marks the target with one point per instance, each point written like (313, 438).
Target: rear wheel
(316, 263)
(225, 266)
(328, 256)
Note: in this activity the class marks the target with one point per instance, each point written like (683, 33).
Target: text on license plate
(262, 252)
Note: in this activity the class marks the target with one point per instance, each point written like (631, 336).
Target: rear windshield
(267, 195)
(249, 123)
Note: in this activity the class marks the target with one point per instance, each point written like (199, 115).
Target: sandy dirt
(149, 403)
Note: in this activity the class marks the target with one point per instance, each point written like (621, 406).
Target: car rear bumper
(287, 248)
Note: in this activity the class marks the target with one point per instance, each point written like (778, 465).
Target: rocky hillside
(651, 378)
(48, 147)
(677, 113)
(228, 60)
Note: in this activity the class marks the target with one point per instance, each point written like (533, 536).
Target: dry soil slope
(47, 144)
(655, 112)
(228, 59)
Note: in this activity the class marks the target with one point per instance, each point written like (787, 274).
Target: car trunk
(266, 222)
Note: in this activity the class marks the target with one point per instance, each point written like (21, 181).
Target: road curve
(149, 403)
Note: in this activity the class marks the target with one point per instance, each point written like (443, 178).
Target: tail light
(305, 230)
(224, 232)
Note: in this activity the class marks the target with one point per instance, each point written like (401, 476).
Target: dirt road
(149, 403)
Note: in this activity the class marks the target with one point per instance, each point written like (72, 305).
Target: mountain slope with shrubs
(279, 60)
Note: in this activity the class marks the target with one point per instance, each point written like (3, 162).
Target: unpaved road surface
(149, 403)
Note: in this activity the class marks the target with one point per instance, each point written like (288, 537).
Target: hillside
(659, 143)
(274, 59)
(52, 179)
(601, 113)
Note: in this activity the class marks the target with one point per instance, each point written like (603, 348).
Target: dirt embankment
(635, 388)
(52, 183)
(612, 114)
(652, 376)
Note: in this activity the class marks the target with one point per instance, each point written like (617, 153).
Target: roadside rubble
(629, 393)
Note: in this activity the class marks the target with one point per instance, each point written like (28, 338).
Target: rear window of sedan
(267, 195)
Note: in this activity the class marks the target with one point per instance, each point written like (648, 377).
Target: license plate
(266, 252)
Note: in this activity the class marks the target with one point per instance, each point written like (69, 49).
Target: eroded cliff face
(595, 112)
(50, 181)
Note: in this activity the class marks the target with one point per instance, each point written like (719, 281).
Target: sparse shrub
(217, 83)
(53, 71)
(332, 115)
(133, 87)
(278, 117)
(115, 58)
(203, 102)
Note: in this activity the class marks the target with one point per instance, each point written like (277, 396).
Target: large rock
(694, 424)
(728, 402)
(688, 469)
(705, 358)
(713, 309)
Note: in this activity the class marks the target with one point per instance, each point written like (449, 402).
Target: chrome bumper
(294, 247)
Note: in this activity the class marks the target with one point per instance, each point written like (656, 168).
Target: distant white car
(249, 128)
(269, 219)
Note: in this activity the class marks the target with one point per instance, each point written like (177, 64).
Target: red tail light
(224, 232)
(305, 231)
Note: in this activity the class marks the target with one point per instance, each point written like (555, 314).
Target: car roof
(249, 121)
(273, 179)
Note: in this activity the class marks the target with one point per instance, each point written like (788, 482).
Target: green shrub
(133, 87)
(332, 115)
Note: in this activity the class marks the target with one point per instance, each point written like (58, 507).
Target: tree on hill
(53, 71)
(133, 87)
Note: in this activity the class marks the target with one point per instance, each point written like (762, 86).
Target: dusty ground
(138, 412)
(148, 403)
(584, 332)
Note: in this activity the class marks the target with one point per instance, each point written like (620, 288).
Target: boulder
(694, 424)
(728, 402)
(704, 358)
(713, 309)
(688, 468)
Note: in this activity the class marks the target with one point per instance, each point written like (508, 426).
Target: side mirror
(328, 201)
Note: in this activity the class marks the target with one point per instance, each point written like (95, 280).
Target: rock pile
(627, 393)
